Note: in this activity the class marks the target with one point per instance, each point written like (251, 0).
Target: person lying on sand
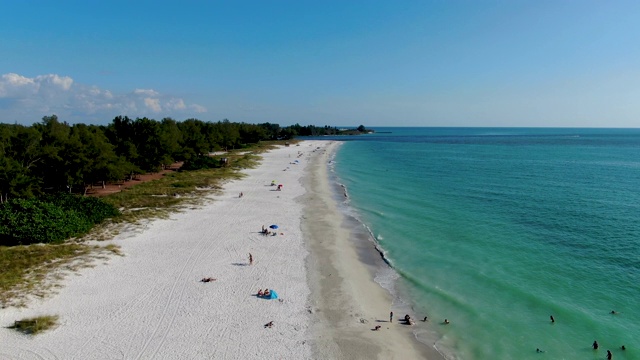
(377, 328)
(208, 279)
(260, 292)
(269, 324)
(267, 292)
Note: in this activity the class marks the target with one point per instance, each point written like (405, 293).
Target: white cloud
(176, 104)
(153, 104)
(17, 80)
(16, 86)
(146, 92)
(197, 108)
(54, 81)
(25, 100)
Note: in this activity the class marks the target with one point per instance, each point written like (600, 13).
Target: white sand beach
(150, 303)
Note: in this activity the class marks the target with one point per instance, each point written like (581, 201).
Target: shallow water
(497, 229)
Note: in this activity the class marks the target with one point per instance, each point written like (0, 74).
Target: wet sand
(346, 301)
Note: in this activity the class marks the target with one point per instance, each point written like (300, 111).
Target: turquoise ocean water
(496, 229)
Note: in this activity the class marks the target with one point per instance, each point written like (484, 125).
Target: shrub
(52, 219)
(35, 325)
(201, 162)
(94, 209)
(27, 221)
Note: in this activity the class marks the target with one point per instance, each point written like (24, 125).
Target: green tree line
(53, 156)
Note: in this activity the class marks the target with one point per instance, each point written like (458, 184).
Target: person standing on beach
(250, 259)
(391, 316)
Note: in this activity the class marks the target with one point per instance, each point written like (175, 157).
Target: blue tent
(272, 295)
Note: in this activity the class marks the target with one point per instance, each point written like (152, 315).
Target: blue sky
(377, 63)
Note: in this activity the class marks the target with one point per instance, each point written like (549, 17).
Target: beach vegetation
(35, 325)
(202, 162)
(50, 219)
(26, 269)
(178, 189)
(53, 156)
(49, 169)
(312, 130)
(113, 248)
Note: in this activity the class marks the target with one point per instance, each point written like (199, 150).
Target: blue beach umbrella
(274, 226)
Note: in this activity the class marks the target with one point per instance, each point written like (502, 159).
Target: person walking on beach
(391, 316)
(250, 259)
